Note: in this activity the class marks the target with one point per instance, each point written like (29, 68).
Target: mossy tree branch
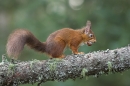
(72, 66)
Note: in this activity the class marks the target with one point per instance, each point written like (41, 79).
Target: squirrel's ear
(88, 27)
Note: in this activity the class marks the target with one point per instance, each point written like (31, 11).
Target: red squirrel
(55, 43)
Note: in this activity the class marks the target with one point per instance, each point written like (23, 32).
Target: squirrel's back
(65, 34)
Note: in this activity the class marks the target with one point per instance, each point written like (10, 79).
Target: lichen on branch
(71, 67)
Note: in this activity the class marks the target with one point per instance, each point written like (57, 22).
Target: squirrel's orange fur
(55, 43)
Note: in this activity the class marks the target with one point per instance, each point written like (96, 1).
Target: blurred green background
(110, 23)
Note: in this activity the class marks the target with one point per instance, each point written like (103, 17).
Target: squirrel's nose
(94, 41)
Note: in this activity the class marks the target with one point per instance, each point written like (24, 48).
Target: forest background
(110, 23)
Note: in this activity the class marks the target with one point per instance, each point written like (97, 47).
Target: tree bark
(71, 67)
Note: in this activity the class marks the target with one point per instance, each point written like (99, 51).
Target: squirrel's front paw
(79, 53)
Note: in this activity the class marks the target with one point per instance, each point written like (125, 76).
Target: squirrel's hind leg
(56, 48)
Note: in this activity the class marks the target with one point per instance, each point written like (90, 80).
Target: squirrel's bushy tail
(18, 39)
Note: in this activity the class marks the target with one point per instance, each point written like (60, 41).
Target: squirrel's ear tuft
(88, 23)
(88, 26)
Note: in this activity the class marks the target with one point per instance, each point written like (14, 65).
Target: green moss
(11, 68)
(33, 62)
(109, 64)
(4, 59)
(83, 72)
(53, 63)
(52, 66)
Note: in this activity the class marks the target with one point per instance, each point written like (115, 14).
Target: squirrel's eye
(90, 35)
